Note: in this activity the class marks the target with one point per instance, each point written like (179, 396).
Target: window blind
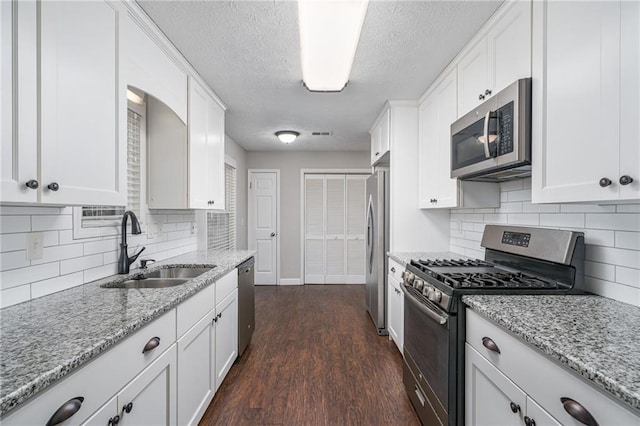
(221, 225)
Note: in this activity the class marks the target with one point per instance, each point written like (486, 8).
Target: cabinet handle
(53, 186)
(488, 343)
(578, 412)
(393, 269)
(114, 420)
(66, 410)
(481, 97)
(219, 315)
(625, 180)
(127, 408)
(377, 153)
(528, 421)
(153, 343)
(604, 182)
(32, 184)
(487, 92)
(514, 407)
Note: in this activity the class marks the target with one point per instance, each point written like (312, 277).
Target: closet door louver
(335, 235)
(355, 229)
(314, 228)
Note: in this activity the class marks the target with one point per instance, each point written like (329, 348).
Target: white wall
(67, 262)
(290, 164)
(238, 153)
(612, 235)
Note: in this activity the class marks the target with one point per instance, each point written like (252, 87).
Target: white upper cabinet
(436, 188)
(186, 163)
(586, 101)
(151, 69)
(499, 56)
(76, 87)
(380, 136)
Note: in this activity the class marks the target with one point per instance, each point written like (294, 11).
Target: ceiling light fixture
(287, 136)
(329, 34)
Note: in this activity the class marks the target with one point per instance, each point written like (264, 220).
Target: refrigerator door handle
(370, 235)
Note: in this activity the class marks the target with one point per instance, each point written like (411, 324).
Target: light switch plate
(35, 242)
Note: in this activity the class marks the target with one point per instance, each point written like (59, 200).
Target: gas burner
(498, 280)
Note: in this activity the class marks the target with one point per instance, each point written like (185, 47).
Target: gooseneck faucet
(125, 261)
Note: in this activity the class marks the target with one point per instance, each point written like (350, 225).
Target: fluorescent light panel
(329, 34)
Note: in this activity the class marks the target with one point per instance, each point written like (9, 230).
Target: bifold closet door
(314, 262)
(334, 226)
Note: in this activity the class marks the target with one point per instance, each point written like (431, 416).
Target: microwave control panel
(505, 120)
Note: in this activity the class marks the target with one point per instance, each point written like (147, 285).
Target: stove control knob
(418, 284)
(435, 295)
(409, 277)
(427, 292)
(403, 274)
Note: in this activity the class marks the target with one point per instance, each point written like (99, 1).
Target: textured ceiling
(248, 52)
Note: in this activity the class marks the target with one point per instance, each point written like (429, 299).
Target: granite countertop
(594, 336)
(47, 338)
(404, 257)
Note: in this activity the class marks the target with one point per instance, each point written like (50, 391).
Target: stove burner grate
(498, 280)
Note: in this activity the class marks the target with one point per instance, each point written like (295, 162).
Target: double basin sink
(160, 278)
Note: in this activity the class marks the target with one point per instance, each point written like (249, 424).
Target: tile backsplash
(68, 262)
(612, 235)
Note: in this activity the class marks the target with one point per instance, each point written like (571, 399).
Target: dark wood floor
(315, 359)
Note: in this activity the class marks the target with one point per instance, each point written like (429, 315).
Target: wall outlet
(35, 242)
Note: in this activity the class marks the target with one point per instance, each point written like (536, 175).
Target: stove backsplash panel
(612, 235)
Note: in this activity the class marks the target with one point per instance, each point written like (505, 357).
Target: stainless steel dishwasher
(246, 305)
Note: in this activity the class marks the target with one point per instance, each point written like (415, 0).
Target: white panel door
(18, 85)
(355, 229)
(335, 230)
(314, 229)
(263, 198)
(82, 104)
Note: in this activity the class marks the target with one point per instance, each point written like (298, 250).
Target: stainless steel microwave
(492, 143)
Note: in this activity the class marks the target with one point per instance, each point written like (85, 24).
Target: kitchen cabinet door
(490, 397)
(473, 77)
(226, 336)
(196, 380)
(82, 104)
(150, 398)
(18, 107)
(392, 308)
(215, 156)
(380, 136)
(580, 113)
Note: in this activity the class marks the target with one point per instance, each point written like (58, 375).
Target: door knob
(625, 180)
(32, 184)
(273, 234)
(53, 186)
(604, 182)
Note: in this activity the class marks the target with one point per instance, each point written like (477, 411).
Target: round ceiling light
(287, 136)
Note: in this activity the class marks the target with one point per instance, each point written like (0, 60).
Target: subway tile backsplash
(67, 262)
(612, 235)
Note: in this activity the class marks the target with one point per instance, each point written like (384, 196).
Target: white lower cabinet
(395, 304)
(501, 370)
(226, 336)
(196, 380)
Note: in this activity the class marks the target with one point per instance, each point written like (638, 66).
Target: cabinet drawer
(543, 379)
(101, 378)
(395, 270)
(226, 285)
(191, 310)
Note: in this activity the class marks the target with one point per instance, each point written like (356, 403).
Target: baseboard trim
(290, 281)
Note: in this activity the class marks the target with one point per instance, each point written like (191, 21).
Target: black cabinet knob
(481, 97)
(528, 421)
(625, 180)
(514, 407)
(487, 92)
(604, 182)
(53, 186)
(32, 184)
(114, 420)
(127, 408)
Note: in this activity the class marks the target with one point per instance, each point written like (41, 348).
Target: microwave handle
(487, 117)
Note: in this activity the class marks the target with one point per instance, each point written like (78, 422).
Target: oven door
(429, 334)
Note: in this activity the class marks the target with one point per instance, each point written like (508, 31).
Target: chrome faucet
(125, 261)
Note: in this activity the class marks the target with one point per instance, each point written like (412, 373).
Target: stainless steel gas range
(518, 260)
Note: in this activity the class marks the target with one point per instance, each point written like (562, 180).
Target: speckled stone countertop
(404, 257)
(592, 335)
(47, 338)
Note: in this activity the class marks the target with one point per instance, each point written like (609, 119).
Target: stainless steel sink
(148, 283)
(177, 272)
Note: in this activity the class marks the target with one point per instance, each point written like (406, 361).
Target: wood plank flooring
(315, 359)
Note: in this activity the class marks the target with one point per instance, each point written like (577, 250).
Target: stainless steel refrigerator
(377, 246)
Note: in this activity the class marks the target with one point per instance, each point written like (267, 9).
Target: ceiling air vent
(321, 133)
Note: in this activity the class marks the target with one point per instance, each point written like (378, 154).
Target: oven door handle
(436, 316)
